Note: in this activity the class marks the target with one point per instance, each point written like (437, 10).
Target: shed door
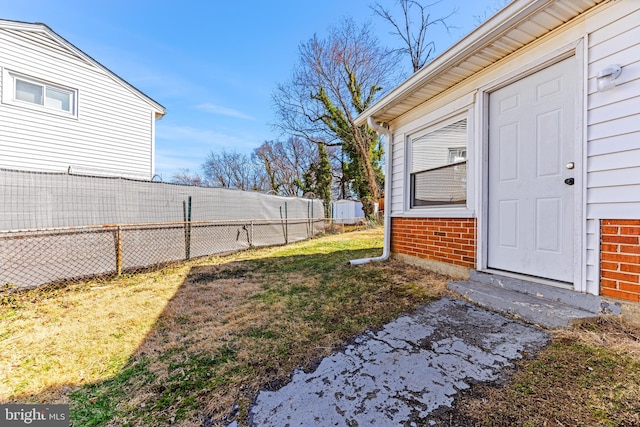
(531, 148)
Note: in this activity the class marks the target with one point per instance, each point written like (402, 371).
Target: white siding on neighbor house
(112, 132)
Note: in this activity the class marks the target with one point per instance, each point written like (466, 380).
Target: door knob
(571, 165)
(569, 181)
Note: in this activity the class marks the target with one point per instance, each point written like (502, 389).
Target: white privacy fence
(56, 227)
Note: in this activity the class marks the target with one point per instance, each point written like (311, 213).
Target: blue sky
(213, 64)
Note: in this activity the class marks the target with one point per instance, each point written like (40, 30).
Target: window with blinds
(439, 166)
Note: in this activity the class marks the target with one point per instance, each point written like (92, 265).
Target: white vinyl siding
(109, 133)
(592, 273)
(398, 177)
(613, 118)
(613, 130)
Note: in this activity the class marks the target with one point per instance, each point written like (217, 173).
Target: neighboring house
(508, 154)
(61, 109)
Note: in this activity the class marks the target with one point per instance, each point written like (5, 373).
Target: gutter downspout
(386, 245)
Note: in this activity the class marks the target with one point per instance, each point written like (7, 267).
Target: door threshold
(528, 278)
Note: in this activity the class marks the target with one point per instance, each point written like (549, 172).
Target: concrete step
(570, 297)
(544, 305)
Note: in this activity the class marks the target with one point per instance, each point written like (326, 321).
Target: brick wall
(449, 240)
(620, 259)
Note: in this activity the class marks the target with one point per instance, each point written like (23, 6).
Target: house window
(34, 93)
(439, 166)
(44, 94)
(457, 154)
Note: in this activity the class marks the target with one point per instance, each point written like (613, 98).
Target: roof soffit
(515, 26)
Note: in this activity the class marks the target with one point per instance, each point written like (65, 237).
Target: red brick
(611, 266)
(436, 239)
(630, 249)
(609, 247)
(630, 231)
(607, 283)
(629, 287)
(627, 277)
(629, 259)
(630, 268)
(629, 240)
(624, 221)
(620, 294)
(608, 230)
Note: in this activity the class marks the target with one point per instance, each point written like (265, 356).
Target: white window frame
(437, 211)
(454, 153)
(10, 80)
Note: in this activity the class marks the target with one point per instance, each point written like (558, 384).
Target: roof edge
(38, 26)
(488, 31)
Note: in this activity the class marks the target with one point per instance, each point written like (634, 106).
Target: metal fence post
(186, 210)
(308, 217)
(286, 223)
(251, 234)
(118, 251)
(313, 221)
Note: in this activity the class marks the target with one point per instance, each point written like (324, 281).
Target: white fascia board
(486, 33)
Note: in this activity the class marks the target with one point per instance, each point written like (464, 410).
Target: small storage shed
(517, 151)
(347, 212)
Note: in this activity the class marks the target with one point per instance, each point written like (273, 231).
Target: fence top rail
(159, 224)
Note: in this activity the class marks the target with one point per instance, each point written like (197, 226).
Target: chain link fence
(57, 227)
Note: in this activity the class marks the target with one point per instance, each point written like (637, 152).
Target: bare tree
(185, 177)
(285, 163)
(489, 11)
(413, 33)
(336, 79)
(234, 170)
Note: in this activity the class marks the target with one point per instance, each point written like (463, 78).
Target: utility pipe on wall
(386, 245)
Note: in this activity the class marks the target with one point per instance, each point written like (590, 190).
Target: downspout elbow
(386, 246)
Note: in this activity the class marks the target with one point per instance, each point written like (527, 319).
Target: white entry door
(531, 153)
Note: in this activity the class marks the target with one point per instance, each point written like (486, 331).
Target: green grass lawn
(193, 341)
(196, 341)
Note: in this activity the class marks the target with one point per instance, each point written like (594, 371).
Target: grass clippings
(193, 343)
